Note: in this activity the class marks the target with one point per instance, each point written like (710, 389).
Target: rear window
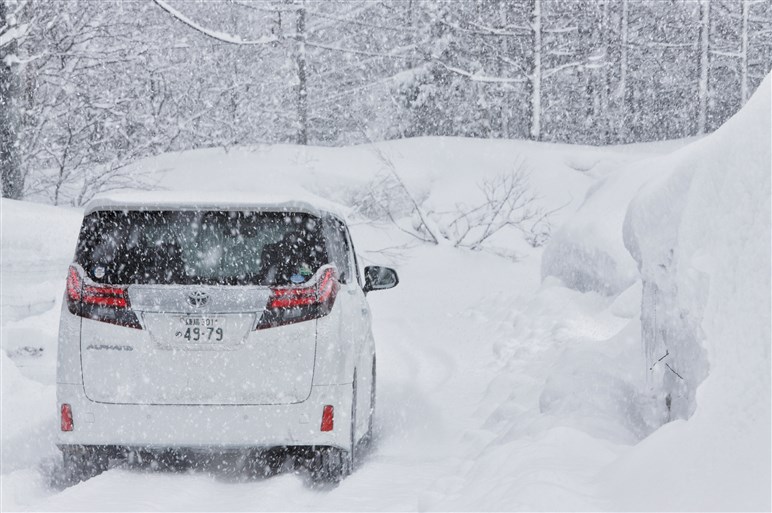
(200, 247)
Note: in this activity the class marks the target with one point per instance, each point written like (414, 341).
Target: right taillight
(105, 303)
(288, 305)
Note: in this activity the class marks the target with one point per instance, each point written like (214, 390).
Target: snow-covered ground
(505, 383)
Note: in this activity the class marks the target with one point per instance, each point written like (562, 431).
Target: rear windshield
(200, 247)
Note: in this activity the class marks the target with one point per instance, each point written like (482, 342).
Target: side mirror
(380, 278)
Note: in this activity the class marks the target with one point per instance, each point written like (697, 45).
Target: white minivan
(191, 326)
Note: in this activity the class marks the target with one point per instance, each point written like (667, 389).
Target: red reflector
(66, 417)
(327, 415)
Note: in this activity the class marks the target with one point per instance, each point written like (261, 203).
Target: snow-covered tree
(88, 87)
(10, 164)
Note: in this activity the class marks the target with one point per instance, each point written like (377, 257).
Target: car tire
(81, 463)
(269, 462)
(329, 465)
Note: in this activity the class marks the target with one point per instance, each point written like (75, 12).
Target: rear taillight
(105, 303)
(288, 305)
(66, 414)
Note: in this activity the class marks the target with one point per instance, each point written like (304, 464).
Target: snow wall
(701, 237)
(700, 233)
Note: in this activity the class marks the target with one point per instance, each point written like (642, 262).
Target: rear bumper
(207, 426)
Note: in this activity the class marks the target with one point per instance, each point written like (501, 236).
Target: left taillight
(104, 303)
(288, 305)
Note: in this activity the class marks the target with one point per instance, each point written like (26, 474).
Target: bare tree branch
(214, 34)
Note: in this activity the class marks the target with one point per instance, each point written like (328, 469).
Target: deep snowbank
(694, 226)
(701, 237)
(37, 245)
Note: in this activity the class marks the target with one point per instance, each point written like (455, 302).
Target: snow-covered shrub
(503, 202)
(508, 201)
(384, 198)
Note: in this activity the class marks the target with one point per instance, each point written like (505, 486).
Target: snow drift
(587, 253)
(700, 234)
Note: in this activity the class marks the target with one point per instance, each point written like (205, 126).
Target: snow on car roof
(195, 200)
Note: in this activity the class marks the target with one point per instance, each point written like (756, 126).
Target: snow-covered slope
(443, 171)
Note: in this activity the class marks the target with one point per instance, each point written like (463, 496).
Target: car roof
(187, 200)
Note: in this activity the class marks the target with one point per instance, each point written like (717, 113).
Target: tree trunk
(503, 108)
(623, 32)
(302, 100)
(704, 63)
(536, 70)
(744, 53)
(606, 83)
(10, 163)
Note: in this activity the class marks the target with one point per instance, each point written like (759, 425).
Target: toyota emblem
(198, 298)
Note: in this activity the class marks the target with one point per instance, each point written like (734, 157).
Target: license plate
(201, 330)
